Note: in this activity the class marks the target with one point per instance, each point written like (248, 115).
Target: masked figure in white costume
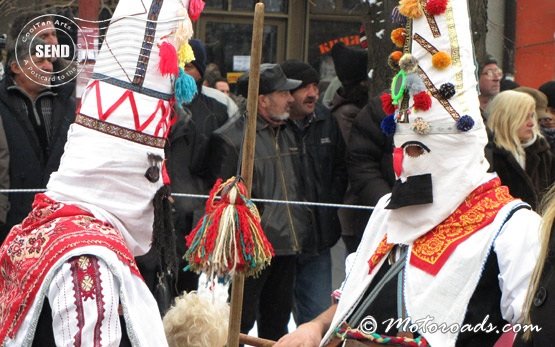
(446, 258)
(67, 272)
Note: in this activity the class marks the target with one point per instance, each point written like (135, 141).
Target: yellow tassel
(185, 54)
(410, 8)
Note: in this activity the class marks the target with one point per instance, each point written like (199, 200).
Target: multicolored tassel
(229, 237)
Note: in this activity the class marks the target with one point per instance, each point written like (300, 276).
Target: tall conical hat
(113, 163)
(434, 114)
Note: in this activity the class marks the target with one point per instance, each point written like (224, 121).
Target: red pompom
(422, 101)
(195, 9)
(168, 64)
(387, 103)
(436, 7)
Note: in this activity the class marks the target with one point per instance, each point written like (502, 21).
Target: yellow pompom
(398, 37)
(185, 54)
(441, 60)
(410, 8)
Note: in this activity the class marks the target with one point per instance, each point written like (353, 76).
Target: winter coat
(323, 173)
(532, 184)
(369, 166)
(277, 166)
(31, 164)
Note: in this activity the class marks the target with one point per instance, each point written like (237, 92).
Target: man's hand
(306, 335)
(309, 334)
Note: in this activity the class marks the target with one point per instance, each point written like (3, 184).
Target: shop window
(229, 45)
(323, 35)
(275, 6)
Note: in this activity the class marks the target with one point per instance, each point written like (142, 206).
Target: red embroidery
(33, 247)
(87, 286)
(128, 95)
(431, 251)
(381, 251)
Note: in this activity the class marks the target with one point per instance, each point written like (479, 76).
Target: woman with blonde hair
(539, 328)
(521, 155)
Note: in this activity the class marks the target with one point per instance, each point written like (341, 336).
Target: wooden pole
(247, 163)
(255, 341)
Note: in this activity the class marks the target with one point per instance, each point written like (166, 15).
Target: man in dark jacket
(36, 119)
(277, 163)
(370, 171)
(324, 177)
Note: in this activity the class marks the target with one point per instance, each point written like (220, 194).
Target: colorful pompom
(441, 60)
(414, 83)
(420, 126)
(436, 7)
(410, 8)
(185, 54)
(422, 101)
(408, 63)
(397, 17)
(387, 103)
(168, 64)
(195, 9)
(393, 59)
(465, 123)
(398, 37)
(388, 125)
(447, 90)
(185, 88)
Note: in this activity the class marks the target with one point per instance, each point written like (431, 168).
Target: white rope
(201, 196)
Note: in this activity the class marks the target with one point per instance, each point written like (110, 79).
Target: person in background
(44, 26)
(521, 156)
(268, 299)
(545, 119)
(350, 65)
(369, 168)
(324, 177)
(548, 88)
(222, 85)
(489, 82)
(36, 118)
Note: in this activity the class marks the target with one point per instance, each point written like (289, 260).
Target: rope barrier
(201, 196)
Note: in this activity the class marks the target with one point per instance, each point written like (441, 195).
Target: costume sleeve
(84, 300)
(336, 294)
(517, 248)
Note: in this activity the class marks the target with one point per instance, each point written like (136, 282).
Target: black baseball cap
(272, 79)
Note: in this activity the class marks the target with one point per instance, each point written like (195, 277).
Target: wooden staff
(247, 163)
(255, 341)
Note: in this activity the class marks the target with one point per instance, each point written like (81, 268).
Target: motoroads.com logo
(38, 38)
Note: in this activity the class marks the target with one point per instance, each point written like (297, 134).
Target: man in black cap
(324, 179)
(277, 175)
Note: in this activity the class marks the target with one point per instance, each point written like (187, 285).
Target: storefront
(299, 29)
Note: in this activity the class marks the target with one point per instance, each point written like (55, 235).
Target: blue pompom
(185, 88)
(388, 125)
(465, 123)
